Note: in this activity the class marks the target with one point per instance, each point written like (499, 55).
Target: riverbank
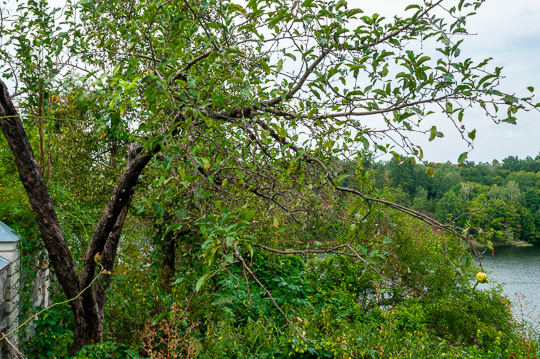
(504, 244)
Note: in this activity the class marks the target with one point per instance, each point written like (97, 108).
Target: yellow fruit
(481, 277)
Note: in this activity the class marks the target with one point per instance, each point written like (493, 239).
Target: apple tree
(268, 102)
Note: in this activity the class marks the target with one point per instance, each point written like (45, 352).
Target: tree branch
(39, 197)
(301, 81)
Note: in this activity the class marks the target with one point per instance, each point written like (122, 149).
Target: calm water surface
(518, 269)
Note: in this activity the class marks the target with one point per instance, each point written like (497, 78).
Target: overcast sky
(510, 33)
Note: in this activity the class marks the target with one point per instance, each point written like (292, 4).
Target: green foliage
(283, 276)
(134, 300)
(224, 236)
(322, 348)
(460, 318)
(53, 334)
(105, 350)
(449, 207)
(339, 282)
(502, 200)
(436, 312)
(248, 148)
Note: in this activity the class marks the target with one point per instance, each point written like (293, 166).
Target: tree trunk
(168, 264)
(88, 331)
(32, 180)
(88, 298)
(107, 261)
(55, 244)
(86, 308)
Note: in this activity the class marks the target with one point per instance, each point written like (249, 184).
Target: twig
(306, 251)
(246, 267)
(55, 304)
(13, 349)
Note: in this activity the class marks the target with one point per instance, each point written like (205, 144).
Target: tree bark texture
(30, 175)
(168, 259)
(88, 308)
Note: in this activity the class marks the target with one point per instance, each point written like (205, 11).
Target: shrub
(476, 318)
(106, 350)
(52, 334)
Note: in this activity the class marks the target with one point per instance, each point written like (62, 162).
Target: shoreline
(502, 244)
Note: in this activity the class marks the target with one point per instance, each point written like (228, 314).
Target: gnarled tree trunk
(87, 306)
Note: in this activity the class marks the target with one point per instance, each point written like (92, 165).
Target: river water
(518, 269)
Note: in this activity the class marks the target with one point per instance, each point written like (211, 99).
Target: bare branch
(301, 81)
(180, 73)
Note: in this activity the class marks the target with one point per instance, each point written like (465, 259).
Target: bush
(106, 350)
(476, 318)
(53, 334)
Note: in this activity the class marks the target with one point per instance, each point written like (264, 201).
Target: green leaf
(206, 163)
(353, 12)
(138, 210)
(329, 144)
(463, 157)
(161, 316)
(342, 177)
(413, 6)
(434, 133)
(279, 65)
(430, 172)
(172, 228)
(265, 66)
(247, 214)
(484, 79)
(158, 209)
(511, 120)
(200, 282)
(510, 99)
(364, 141)
(530, 88)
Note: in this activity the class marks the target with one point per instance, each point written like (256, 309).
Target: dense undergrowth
(413, 297)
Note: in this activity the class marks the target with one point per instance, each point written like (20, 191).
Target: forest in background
(500, 198)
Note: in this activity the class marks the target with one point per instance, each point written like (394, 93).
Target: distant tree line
(498, 199)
